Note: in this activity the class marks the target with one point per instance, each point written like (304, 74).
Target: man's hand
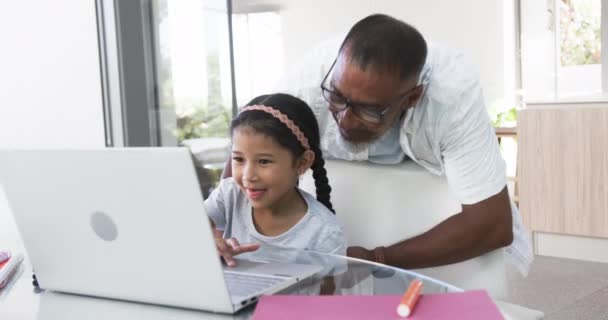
(360, 253)
(229, 248)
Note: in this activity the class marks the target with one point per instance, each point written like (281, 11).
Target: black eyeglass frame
(376, 115)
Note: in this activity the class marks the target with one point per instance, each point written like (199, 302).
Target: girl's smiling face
(266, 171)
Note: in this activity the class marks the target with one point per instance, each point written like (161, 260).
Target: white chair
(384, 204)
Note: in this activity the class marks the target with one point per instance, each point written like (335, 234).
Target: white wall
(538, 50)
(50, 87)
(482, 29)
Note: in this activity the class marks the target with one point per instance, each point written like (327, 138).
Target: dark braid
(300, 113)
(321, 181)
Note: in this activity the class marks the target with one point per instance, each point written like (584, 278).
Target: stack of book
(9, 263)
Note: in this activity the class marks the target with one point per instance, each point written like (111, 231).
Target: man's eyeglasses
(373, 114)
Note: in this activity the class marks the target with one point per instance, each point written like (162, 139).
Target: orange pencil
(408, 302)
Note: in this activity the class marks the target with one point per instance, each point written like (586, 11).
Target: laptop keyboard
(248, 284)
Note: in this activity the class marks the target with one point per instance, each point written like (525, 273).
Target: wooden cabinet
(563, 168)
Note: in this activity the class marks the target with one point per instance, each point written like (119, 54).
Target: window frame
(128, 71)
(557, 96)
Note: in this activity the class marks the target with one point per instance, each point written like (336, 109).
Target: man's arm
(478, 229)
(476, 173)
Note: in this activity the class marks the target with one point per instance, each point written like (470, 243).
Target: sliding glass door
(167, 75)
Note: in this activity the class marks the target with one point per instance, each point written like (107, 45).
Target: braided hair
(300, 113)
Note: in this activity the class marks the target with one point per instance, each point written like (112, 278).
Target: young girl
(275, 139)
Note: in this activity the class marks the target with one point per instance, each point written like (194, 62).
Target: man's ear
(413, 97)
(305, 161)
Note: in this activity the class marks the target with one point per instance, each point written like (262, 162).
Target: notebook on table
(9, 264)
(466, 305)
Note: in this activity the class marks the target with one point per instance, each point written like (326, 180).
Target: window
(193, 78)
(562, 49)
(258, 53)
(166, 71)
(579, 52)
(192, 69)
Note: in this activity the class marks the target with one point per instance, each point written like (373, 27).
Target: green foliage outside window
(203, 123)
(580, 33)
(506, 118)
(210, 118)
(503, 114)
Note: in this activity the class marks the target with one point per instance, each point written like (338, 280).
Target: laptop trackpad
(298, 271)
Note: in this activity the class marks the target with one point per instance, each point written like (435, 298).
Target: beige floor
(563, 289)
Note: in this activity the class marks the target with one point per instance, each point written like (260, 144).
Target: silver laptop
(130, 224)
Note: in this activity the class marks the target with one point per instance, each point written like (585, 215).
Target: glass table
(340, 276)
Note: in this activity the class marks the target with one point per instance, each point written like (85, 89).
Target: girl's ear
(305, 162)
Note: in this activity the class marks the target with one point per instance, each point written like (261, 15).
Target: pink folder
(460, 305)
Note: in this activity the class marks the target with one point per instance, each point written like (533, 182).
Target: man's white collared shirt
(448, 132)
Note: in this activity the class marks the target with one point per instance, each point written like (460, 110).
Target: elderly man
(388, 97)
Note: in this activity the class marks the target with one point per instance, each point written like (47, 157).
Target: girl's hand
(228, 248)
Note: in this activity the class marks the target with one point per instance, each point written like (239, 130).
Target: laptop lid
(123, 223)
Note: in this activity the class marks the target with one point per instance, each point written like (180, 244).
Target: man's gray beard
(350, 145)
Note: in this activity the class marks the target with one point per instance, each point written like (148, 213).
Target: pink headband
(283, 118)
